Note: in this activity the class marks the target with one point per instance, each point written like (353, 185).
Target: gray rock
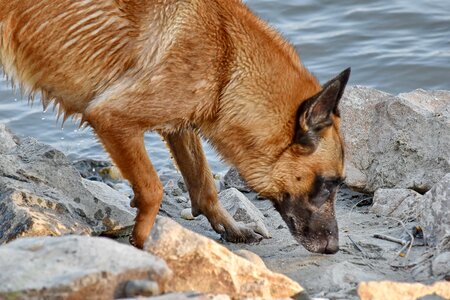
(434, 214)
(172, 189)
(346, 276)
(189, 296)
(165, 174)
(243, 210)
(41, 193)
(7, 138)
(233, 179)
(441, 265)
(396, 142)
(74, 267)
(397, 203)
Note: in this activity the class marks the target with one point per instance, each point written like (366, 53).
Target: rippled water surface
(395, 46)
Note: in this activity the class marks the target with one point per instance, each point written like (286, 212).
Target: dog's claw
(244, 234)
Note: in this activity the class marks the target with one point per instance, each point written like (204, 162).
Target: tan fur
(176, 66)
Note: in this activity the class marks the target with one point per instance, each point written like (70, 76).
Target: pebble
(187, 214)
(144, 288)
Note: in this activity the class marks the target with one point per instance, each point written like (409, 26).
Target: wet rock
(233, 179)
(441, 265)
(391, 141)
(74, 267)
(434, 214)
(399, 291)
(202, 265)
(397, 203)
(41, 193)
(91, 168)
(243, 210)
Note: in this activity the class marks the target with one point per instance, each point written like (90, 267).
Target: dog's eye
(322, 197)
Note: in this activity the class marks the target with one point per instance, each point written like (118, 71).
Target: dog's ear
(314, 114)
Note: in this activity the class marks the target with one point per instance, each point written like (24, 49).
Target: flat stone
(75, 267)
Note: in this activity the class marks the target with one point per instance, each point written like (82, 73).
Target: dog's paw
(242, 234)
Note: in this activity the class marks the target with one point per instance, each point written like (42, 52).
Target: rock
(146, 288)
(251, 257)
(187, 214)
(434, 214)
(441, 265)
(395, 141)
(243, 210)
(190, 296)
(399, 291)
(202, 265)
(165, 174)
(41, 193)
(75, 267)
(346, 276)
(233, 179)
(90, 168)
(396, 203)
(7, 138)
(172, 189)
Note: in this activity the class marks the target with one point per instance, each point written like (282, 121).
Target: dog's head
(308, 173)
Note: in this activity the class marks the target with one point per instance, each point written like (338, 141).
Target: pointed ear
(315, 113)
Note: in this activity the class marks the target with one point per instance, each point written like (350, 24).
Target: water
(396, 46)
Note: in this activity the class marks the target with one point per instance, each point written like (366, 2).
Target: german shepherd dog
(188, 68)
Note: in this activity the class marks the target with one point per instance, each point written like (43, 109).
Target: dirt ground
(361, 257)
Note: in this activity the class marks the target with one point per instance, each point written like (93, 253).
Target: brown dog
(184, 68)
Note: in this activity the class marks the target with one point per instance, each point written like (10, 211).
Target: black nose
(332, 246)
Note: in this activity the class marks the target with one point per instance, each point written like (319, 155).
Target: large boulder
(202, 265)
(395, 141)
(401, 291)
(41, 193)
(75, 267)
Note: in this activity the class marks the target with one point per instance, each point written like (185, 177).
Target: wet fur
(181, 68)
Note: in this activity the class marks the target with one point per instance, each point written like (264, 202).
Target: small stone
(144, 288)
(187, 214)
(441, 265)
(251, 257)
(243, 210)
(172, 189)
(233, 179)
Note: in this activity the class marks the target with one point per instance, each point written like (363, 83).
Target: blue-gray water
(395, 46)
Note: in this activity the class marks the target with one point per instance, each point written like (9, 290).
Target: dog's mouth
(317, 231)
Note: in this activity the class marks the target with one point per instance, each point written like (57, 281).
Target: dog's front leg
(125, 144)
(187, 151)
